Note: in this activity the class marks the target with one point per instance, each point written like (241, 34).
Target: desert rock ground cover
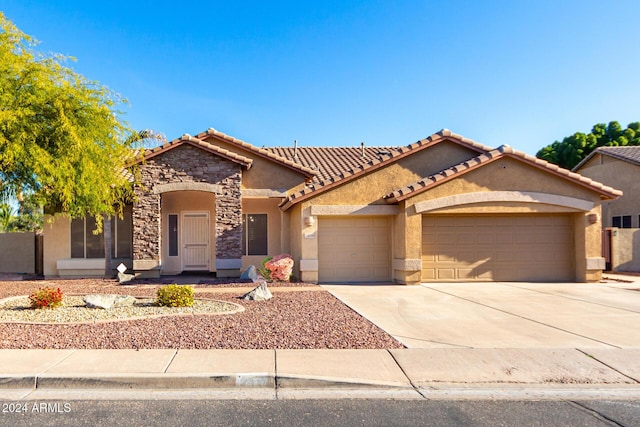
(299, 316)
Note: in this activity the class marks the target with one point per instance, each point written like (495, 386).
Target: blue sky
(520, 72)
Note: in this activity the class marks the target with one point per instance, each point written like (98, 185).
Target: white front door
(195, 240)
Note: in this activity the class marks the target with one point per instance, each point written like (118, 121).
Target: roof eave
(608, 192)
(436, 138)
(307, 172)
(189, 140)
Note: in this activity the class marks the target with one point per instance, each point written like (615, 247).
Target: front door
(195, 240)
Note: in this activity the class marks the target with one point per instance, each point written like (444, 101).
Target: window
(173, 235)
(254, 234)
(623, 221)
(86, 244)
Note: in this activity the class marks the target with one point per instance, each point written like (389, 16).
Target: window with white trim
(254, 234)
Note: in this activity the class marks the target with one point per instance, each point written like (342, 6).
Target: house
(619, 167)
(444, 208)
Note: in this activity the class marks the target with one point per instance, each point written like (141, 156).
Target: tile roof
(490, 156)
(332, 165)
(629, 154)
(189, 140)
(331, 161)
(262, 152)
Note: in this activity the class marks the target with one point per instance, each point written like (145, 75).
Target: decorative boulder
(259, 293)
(107, 301)
(281, 267)
(251, 273)
(124, 278)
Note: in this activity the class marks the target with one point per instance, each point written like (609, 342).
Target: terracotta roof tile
(308, 172)
(331, 161)
(325, 182)
(504, 150)
(188, 139)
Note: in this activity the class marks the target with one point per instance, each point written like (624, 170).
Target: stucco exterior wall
(371, 187)
(407, 232)
(622, 176)
(511, 175)
(18, 253)
(57, 242)
(295, 240)
(625, 250)
(263, 173)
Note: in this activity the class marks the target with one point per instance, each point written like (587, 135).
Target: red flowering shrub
(46, 298)
(280, 267)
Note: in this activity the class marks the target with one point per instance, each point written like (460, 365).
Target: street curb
(17, 381)
(313, 382)
(147, 381)
(188, 381)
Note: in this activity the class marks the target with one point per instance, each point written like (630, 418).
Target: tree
(573, 149)
(63, 142)
(7, 218)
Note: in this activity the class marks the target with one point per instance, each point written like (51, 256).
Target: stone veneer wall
(188, 164)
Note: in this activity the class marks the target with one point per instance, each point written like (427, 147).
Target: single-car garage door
(497, 248)
(354, 249)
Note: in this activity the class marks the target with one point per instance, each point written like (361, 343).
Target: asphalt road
(319, 413)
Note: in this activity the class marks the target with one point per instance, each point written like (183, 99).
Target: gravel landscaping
(74, 310)
(300, 316)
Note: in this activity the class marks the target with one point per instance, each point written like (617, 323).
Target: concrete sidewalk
(282, 374)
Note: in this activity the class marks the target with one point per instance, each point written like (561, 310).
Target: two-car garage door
(497, 248)
(454, 248)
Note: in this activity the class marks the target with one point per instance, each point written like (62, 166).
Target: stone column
(229, 228)
(146, 234)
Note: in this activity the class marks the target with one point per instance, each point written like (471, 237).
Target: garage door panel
(444, 258)
(462, 256)
(446, 274)
(503, 238)
(354, 249)
(504, 256)
(486, 238)
(498, 247)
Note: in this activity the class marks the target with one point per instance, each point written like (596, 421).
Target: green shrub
(264, 271)
(175, 296)
(46, 298)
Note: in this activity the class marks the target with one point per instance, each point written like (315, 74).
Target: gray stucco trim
(319, 210)
(187, 186)
(228, 263)
(504, 196)
(263, 192)
(407, 264)
(310, 264)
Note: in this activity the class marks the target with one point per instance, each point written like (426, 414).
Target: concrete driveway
(501, 315)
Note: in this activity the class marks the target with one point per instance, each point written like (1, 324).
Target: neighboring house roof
(377, 162)
(629, 154)
(488, 157)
